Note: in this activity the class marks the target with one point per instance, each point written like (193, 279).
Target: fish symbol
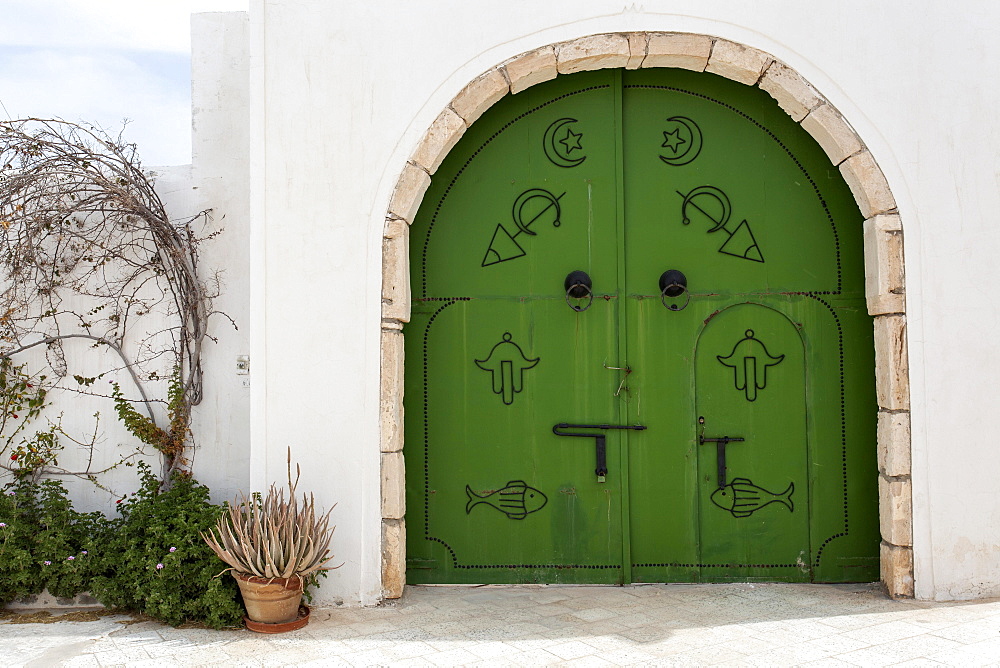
(515, 500)
(742, 498)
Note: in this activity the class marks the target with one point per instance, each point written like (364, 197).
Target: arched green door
(754, 387)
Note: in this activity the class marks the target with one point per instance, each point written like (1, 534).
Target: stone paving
(662, 625)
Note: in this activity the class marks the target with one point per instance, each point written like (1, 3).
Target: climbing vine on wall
(89, 259)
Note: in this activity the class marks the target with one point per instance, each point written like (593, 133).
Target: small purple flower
(3, 525)
(159, 566)
(70, 558)
(47, 563)
(11, 493)
(173, 549)
(84, 552)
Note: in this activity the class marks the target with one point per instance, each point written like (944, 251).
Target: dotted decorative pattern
(843, 428)
(426, 398)
(675, 564)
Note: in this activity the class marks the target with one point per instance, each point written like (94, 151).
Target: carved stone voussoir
(832, 132)
(867, 182)
(793, 93)
(410, 189)
(443, 134)
(531, 68)
(674, 49)
(594, 52)
(737, 62)
(481, 93)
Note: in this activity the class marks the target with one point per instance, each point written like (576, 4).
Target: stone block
(393, 558)
(409, 192)
(676, 49)
(443, 134)
(892, 386)
(737, 62)
(897, 570)
(894, 443)
(396, 270)
(868, 184)
(884, 273)
(636, 50)
(832, 132)
(594, 52)
(793, 93)
(895, 511)
(531, 68)
(391, 390)
(393, 486)
(480, 94)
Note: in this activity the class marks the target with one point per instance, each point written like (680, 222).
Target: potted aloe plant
(272, 545)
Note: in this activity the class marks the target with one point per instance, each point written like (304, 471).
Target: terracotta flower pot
(270, 600)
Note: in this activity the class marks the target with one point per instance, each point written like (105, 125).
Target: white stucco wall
(306, 137)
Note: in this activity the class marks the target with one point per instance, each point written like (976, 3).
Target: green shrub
(154, 561)
(44, 542)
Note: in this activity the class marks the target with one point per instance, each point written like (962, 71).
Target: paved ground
(689, 625)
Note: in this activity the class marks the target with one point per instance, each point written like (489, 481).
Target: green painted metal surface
(625, 175)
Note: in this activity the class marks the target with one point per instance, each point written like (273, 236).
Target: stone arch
(883, 242)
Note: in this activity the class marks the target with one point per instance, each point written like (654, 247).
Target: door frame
(883, 250)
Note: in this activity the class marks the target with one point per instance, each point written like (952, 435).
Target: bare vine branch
(88, 252)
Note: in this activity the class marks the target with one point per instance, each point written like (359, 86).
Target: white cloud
(148, 25)
(104, 61)
(107, 88)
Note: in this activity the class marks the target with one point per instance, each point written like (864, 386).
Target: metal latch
(600, 439)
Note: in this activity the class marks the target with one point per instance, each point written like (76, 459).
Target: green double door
(751, 376)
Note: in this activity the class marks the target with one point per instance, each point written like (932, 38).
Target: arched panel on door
(753, 449)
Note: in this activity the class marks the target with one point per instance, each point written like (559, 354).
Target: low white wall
(339, 95)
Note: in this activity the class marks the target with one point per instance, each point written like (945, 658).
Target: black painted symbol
(742, 498)
(683, 140)
(529, 207)
(507, 363)
(560, 141)
(749, 361)
(739, 242)
(516, 500)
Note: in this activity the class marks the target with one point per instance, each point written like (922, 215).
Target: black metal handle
(578, 286)
(600, 441)
(673, 283)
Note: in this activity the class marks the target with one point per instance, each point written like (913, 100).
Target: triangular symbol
(502, 248)
(741, 243)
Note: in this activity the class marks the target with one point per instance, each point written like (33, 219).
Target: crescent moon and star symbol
(560, 142)
(530, 206)
(683, 139)
(714, 205)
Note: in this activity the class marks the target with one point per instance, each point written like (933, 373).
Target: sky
(105, 62)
